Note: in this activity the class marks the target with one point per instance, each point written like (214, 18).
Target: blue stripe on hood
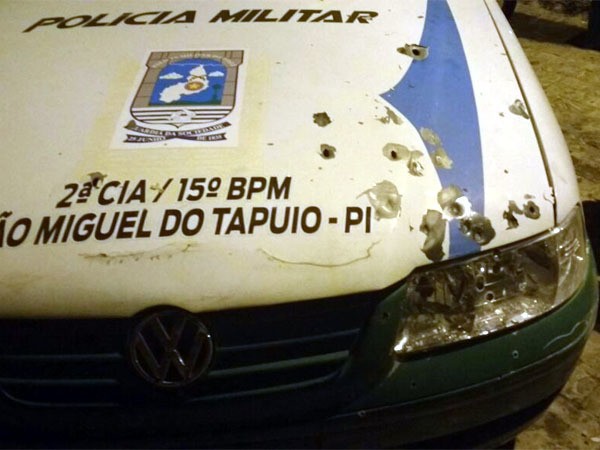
(437, 93)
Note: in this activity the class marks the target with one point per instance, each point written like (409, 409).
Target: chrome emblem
(171, 348)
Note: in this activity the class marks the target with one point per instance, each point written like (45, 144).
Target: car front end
(334, 225)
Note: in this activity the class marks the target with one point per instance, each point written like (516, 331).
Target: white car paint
(67, 95)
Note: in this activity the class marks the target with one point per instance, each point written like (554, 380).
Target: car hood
(234, 154)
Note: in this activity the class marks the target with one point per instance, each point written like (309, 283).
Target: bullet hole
(454, 205)
(531, 210)
(456, 209)
(509, 215)
(327, 151)
(396, 152)
(97, 178)
(449, 195)
(505, 171)
(414, 164)
(270, 144)
(501, 114)
(413, 385)
(430, 136)
(322, 119)
(519, 109)
(415, 51)
(385, 315)
(390, 116)
(480, 283)
(478, 228)
(489, 296)
(441, 159)
(515, 354)
(385, 199)
(529, 196)
(433, 225)
(511, 220)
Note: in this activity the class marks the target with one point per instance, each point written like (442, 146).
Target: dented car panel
(316, 183)
(306, 227)
(554, 148)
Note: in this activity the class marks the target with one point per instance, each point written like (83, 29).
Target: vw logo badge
(171, 348)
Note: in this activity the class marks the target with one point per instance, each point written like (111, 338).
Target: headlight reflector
(493, 292)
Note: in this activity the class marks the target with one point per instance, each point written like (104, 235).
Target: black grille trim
(82, 362)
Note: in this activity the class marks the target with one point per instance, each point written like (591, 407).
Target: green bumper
(465, 386)
(488, 387)
(480, 360)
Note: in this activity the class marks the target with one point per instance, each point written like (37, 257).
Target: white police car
(282, 224)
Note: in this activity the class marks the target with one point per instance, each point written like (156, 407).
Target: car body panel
(555, 151)
(67, 129)
(251, 186)
(386, 402)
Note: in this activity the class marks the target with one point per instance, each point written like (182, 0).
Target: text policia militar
(225, 15)
(102, 210)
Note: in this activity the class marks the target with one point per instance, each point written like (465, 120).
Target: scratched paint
(433, 225)
(386, 200)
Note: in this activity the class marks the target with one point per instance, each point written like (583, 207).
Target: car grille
(82, 362)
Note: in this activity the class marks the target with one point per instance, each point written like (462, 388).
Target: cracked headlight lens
(493, 292)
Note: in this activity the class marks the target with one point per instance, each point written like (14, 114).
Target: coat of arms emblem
(185, 95)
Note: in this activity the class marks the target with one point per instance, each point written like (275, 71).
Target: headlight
(493, 292)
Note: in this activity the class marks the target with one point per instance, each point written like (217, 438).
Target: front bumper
(482, 393)
(486, 393)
